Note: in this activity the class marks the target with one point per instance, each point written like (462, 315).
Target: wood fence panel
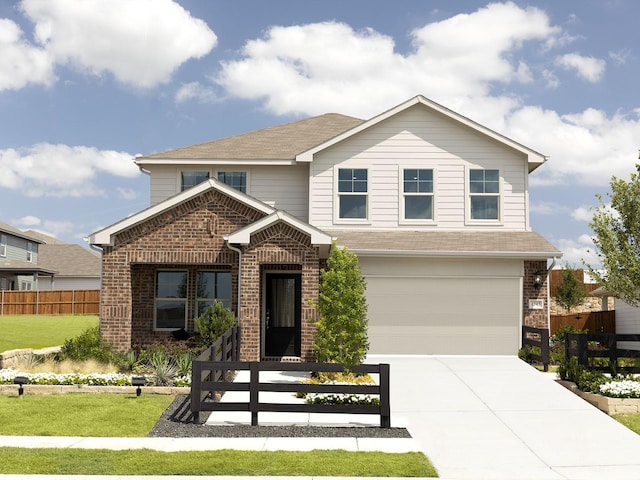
(594, 322)
(50, 302)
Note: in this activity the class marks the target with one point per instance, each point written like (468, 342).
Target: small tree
(570, 292)
(214, 322)
(341, 334)
(617, 239)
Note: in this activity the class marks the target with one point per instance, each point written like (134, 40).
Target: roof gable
(106, 235)
(534, 158)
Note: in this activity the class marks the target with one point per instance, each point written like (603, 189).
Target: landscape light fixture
(139, 383)
(20, 381)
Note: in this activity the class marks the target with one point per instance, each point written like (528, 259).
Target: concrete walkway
(498, 418)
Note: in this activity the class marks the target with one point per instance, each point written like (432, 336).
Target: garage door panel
(444, 315)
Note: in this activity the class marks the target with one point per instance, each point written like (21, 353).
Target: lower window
(171, 300)
(213, 286)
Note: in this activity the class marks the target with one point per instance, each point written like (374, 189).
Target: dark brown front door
(282, 315)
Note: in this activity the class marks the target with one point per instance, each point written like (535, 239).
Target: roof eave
(453, 253)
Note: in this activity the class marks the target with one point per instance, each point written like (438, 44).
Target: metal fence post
(254, 381)
(385, 403)
(196, 389)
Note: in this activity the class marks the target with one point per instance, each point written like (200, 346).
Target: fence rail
(49, 302)
(593, 322)
(203, 392)
(537, 338)
(586, 346)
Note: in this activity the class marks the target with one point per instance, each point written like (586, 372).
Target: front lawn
(81, 414)
(218, 462)
(630, 420)
(40, 331)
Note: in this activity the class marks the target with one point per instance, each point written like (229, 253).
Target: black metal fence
(211, 378)
(538, 340)
(603, 346)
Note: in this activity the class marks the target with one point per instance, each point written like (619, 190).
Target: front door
(282, 315)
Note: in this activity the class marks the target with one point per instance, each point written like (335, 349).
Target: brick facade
(535, 317)
(190, 237)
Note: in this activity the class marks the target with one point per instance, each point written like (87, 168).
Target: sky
(86, 85)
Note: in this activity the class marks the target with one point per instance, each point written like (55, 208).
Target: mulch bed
(177, 421)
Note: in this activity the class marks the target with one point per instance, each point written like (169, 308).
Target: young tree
(617, 239)
(341, 334)
(571, 292)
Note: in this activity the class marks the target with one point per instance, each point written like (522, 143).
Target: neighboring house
(627, 317)
(435, 206)
(77, 267)
(19, 267)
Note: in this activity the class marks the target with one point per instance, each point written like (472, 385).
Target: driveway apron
(496, 417)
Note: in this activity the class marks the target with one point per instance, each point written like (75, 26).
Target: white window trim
(30, 252)
(410, 221)
(247, 175)
(155, 299)
(468, 195)
(3, 245)
(188, 170)
(336, 197)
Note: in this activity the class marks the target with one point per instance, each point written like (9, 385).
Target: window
(213, 286)
(418, 194)
(171, 299)
(3, 245)
(29, 252)
(484, 194)
(237, 180)
(352, 193)
(191, 179)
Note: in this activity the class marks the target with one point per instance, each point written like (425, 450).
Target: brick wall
(190, 237)
(533, 317)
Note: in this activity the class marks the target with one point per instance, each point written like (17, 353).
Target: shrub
(213, 323)
(87, 345)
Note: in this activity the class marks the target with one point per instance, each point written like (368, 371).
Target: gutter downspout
(239, 252)
(100, 250)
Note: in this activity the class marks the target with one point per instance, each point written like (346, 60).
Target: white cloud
(583, 214)
(551, 78)
(21, 64)
(547, 208)
(127, 193)
(60, 170)
(588, 68)
(195, 91)
(578, 252)
(141, 42)
(620, 57)
(28, 221)
(322, 67)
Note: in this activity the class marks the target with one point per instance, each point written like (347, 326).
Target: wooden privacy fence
(210, 378)
(587, 346)
(49, 302)
(594, 322)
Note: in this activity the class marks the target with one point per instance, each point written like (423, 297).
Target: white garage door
(444, 315)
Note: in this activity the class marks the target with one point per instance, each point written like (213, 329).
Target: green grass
(39, 331)
(218, 462)
(630, 420)
(81, 414)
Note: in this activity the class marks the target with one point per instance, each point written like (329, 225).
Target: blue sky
(87, 85)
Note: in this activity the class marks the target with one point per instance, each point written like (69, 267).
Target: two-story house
(435, 206)
(19, 269)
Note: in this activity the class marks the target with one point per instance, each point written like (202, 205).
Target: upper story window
(417, 189)
(3, 245)
(352, 193)
(29, 252)
(212, 286)
(171, 299)
(237, 180)
(191, 179)
(484, 194)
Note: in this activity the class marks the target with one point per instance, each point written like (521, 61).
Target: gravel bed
(177, 421)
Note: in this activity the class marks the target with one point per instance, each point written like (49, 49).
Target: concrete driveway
(495, 417)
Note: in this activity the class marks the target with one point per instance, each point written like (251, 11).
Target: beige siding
(627, 321)
(285, 187)
(419, 138)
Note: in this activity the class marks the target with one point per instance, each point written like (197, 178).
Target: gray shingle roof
(281, 142)
(515, 244)
(69, 260)
(6, 228)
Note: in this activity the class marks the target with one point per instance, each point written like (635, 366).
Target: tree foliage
(570, 292)
(341, 334)
(617, 239)
(216, 320)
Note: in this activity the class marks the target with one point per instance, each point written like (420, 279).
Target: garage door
(444, 315)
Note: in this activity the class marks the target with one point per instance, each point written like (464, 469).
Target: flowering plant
(621, 388)
(7, 376)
